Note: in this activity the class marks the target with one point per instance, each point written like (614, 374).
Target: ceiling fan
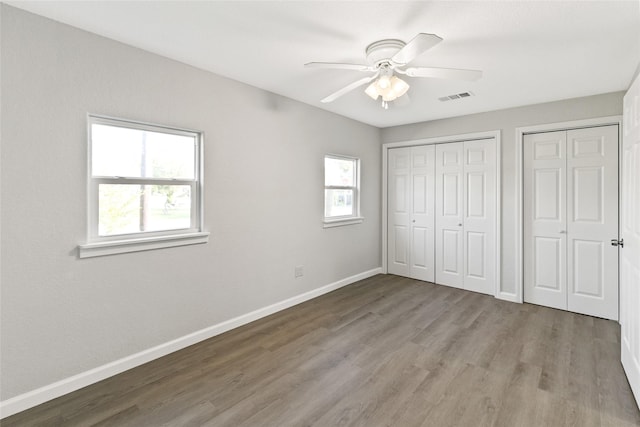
(386, 58)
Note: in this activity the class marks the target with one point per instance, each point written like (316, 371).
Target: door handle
(563, 231)
(616, 242)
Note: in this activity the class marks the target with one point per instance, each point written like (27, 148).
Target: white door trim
(442, 140)
(549, 127)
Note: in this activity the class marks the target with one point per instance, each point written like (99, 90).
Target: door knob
(616, 242)
(459, 225)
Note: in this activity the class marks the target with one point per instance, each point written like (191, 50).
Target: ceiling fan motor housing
(383, 50)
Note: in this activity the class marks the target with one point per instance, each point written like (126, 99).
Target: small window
(144, 186)
(341, 190)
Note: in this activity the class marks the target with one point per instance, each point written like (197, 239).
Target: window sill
(341, 222)
(90, 250)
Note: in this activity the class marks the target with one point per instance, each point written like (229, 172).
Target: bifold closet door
(592, 221)
(570, 216)
(545, 217)
(466, 215)
(410, 214)
(479, 209)
(449, 216)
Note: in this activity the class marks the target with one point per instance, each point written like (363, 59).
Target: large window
(144, 185)
(341, 190)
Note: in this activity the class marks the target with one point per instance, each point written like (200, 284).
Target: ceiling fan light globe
(399, 86)
(384, 82)
(372, 91)
(387, 86)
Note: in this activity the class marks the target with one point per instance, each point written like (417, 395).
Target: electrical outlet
(299, 271)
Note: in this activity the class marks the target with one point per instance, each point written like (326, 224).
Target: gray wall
(264, 203)
(635, 75)
(507, 121)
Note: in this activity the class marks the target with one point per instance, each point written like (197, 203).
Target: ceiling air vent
(456, 96)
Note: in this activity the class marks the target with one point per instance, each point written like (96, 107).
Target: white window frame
(97, 245)
(355, 218)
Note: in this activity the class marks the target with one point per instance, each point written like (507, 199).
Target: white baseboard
(43, 394)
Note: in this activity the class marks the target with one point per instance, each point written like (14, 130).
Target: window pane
(339, 172)
(128, 208)
(136, 153)
(338, 203)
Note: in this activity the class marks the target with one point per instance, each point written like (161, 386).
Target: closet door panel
(399, 211)
(547, 267)
(545, 237)
(592, 221)
(449, 214)
(410, 213)
(422, 212)
(479, 215)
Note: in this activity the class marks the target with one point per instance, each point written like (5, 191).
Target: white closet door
(399, 211)
(422, 213)
(545, 238)
(592, 221)
(570, 216)
(479, 225)
(449, 214)
(411, 212)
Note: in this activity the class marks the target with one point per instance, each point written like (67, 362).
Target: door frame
(495, 135)
(518, 296)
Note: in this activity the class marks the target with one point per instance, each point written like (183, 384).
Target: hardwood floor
(386, 351)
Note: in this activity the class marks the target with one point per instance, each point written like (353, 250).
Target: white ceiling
(530, 52)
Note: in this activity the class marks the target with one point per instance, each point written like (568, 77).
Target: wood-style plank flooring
(386, 351)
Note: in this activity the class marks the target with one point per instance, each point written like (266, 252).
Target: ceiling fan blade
(338, 65)
(419, 44)
(443, 73)
(348, 88)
